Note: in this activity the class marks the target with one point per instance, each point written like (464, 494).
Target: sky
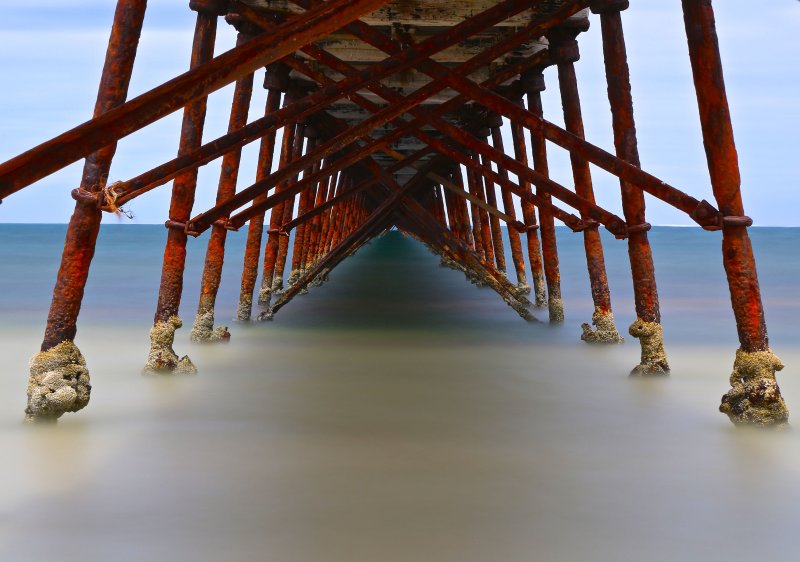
(51, 56)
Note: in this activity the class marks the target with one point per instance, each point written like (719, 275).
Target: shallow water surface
(396, 413)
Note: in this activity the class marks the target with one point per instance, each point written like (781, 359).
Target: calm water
(398, 413)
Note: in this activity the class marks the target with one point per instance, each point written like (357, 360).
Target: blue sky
(51, 55)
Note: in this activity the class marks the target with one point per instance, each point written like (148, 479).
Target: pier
(385, 115)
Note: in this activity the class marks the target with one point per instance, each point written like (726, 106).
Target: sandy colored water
(397, 414)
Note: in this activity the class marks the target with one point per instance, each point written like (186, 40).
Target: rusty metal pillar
(450, 205)
(437, 205)
(476, 187)
(331, 217)
(162, 358)
(311, 134)
(564, 52)
(276, 81)
(323, 191)
(203, 329)
(298, 150)
(495, 121)
(59, 379)
(483, 134)
(462, 215)
(528, 210)
(477, 217)
(327, 217)
(315, 196)
(532, 83)
(647, 327)
(276, 218)
(754, 397)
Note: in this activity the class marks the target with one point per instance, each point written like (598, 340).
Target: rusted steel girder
(451, 189)
(755, 397)
(272, 279)
(394, 64)
(312, 103)
(276, 80)
(162, 358)
(533, 84)
(58, 352)
(508, 206)
(364, 184)
(454, 189)
(613, 223)
(456, 184)
(345, 138)
(564, 51)
(299, 150)
(701, 212)
(450, 204)
(203, 329)
(84, 224)
(303, 204)
(475, 182)
(461, 255)
(276, 216)
(435, 204)
(326, 217)
(343, 67)
(324, 193)
(529, 214)
(376, 222)
(647, 326)
(184, 185)
(491, 200)
(106, 129)
(369, 182)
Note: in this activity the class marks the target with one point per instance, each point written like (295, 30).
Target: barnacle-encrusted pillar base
(539, 294)
(264, 294)
(162, 358)
(320, 279)
(294, 277)
(555, 310)
(244, 309)
(58, 383)
(449, 262)
(654, 358)
(204, 331)
(605, 330)
(755, 398)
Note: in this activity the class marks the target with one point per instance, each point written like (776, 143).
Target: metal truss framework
(392, 121)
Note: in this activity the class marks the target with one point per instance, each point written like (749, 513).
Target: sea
(397, 413)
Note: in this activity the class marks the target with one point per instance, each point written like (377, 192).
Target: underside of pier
(418, 115)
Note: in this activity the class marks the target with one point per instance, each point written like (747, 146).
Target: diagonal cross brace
(701, 211)
(143, 110)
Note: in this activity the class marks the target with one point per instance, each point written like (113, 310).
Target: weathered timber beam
(105, 129)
